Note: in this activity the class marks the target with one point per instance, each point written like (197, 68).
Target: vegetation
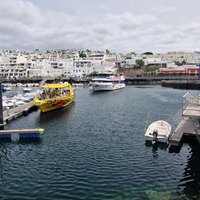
(107, 51)
(93, 73)
(180, 63)
(152, 70)
(82, 54)
(139, 63)
(148, 53)
(184, 62)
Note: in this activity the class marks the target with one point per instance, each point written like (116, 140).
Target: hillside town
(80, 63)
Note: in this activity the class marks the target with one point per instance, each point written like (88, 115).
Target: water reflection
(62, 113)
(4, 154)
(34, 141)
(156, 145)
(191, 176)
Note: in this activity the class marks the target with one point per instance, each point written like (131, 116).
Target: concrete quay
(182, 84)
(190, 123)
(10, 114)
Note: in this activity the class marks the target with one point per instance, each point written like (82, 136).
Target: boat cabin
(54, 91)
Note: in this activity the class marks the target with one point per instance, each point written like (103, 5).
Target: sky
(116, 25)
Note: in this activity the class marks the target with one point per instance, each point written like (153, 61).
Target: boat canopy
(53, 86)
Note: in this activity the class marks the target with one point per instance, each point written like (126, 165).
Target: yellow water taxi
(54, 96)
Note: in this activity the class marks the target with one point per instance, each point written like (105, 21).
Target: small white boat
(5, 89)
(10, 103)
(36, 85)
(17, 97)
(27, 97)
(7, 104)
(27, 90)
(18, 103)
(158, 131)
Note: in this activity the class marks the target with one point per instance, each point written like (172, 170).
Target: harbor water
(95, 150)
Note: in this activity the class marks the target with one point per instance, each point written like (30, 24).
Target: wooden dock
(12, 113)
(190, 123)
(187, 126)
(191, 106)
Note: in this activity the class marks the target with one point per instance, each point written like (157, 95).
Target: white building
(97, 58)
(110, 59)
(13, 72)
(189, 57)
(81, 68)
(155, 61)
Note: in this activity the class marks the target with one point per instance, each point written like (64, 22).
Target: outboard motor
(155, 135)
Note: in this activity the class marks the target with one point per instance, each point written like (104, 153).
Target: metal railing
(190, 102)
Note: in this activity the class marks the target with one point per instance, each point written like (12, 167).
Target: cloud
(26, 26)
(162, 9)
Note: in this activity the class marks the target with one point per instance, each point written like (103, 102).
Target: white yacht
(107, 82)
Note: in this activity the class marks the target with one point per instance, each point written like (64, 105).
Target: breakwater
(182, 84)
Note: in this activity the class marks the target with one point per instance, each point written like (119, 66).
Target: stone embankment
(182, 84)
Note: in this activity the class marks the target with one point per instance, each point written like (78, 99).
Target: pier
(190, 123)
(17, 134)
(10, 114)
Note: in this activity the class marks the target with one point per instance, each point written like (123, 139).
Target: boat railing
(156, 116)
(190, 102)
(52, 96)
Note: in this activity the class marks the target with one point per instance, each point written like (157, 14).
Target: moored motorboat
(5, 89)
(107, 82)
(27, 97)
(54, 96)
(158, 131)
(27, 90)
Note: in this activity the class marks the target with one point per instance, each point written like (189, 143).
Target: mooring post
(1, 107)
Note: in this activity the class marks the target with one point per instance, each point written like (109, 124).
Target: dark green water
(96, 150)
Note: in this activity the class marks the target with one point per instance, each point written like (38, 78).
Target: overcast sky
(121, 26)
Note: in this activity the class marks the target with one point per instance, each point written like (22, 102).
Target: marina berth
(107, 82)
(17, 100)
(54, 96)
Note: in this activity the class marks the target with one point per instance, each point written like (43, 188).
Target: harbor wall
(182, 84)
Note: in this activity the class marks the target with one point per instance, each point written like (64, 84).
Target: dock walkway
(187, 126)
(191, 106)
(190, 123)
(12, 113)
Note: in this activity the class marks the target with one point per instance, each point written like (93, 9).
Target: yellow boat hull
(52, 104)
